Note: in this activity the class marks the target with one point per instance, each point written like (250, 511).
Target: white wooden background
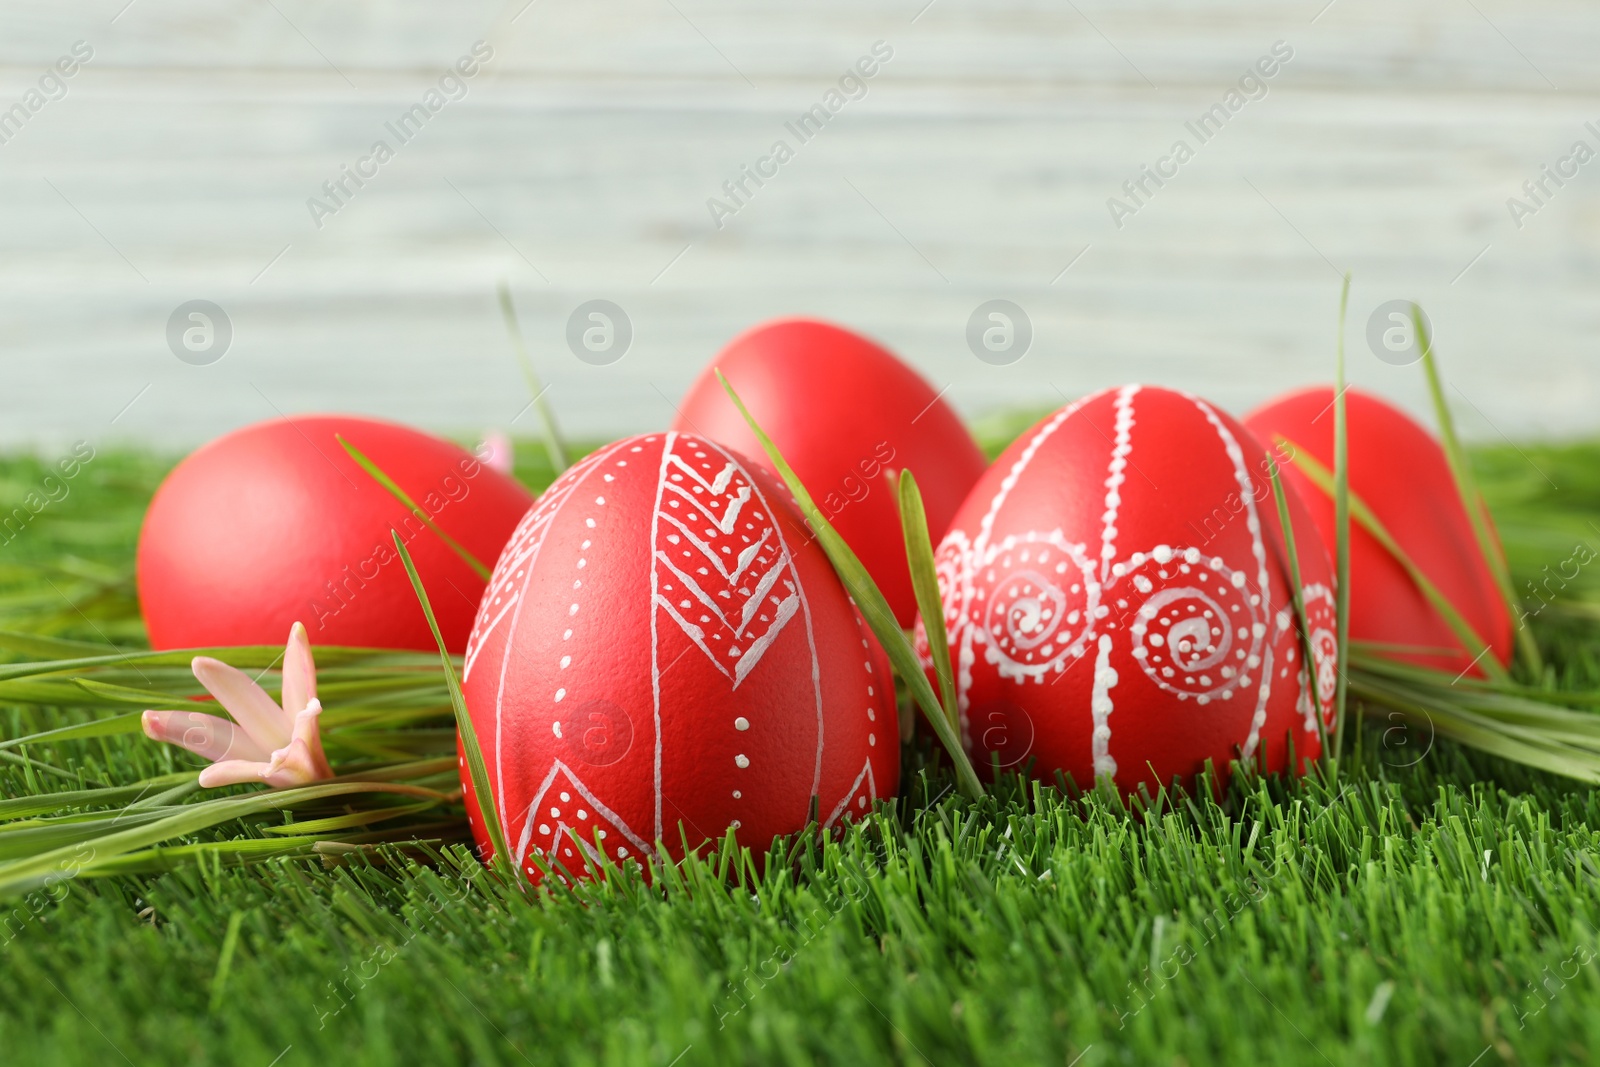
(978, 166)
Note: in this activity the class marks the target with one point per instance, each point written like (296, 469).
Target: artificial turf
(1429, 906)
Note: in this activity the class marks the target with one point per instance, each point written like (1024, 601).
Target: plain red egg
(1400, 470)
(1118, 602)
(842, 410)
(275, 523)
(664, 655)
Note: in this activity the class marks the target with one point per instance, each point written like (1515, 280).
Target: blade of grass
(873, 607)
(1322, 478)
(1466, 689)
(219, 979)
(245, 657)
(469, 736)
(38, 647)
(1534, 747)
(29, 838)
(1515, 722)
(28, 764)
(117, 724)
(69, 693)
(122, 694)
(44, 803)
(1341, 526)
(1330, 758)
(345, 822)
(358, 662)
(925, 582)
(23, 874)
(1396, 647)
(1467, 488)
(242, 852)
(399, 494)
(547, 419)
(22, 838)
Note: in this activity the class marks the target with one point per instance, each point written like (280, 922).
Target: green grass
(1282, 921)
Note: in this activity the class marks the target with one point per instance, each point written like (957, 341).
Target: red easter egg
(842, 410)
(1399, 469)
(665, 654)
(275, 523)
(1098, 627)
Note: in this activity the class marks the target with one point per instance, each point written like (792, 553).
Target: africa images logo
(52, 86)
(852, 85)
(1252, 85)
(339, 190)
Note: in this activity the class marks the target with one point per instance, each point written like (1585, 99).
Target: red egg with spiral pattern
(1117, 599)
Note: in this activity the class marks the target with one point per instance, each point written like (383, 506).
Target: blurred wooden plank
(587, 149)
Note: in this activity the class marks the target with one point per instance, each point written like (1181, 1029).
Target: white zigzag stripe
(705, 547)
(663, 571)
(754, 597)
(531, 815)
(872, 791)
(758, 647)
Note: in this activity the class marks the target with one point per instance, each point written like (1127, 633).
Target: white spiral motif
(1196, 632)
(1322, 615)
(1034, 604)
(1030, 609)
(950, 567)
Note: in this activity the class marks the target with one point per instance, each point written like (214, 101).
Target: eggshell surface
(1099, 627)
(664, 654)
(842, 410)
(275, 523)
(1399, 469)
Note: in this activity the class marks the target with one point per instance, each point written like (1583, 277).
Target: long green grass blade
(23, 760)
(333, 823)
(44, 803)
(332, 660)
(219, 978)
(118, 724)
(400, 494)
(29, 837)
(70, 692)
(925, 582)
(872, 604)
(1536, 727)
(1341, 525)
(38, 647)
(1467, 488)
(65, 862)
(484, 794)
(1401, 648)
(1330, 758)
(553, 444)
(1322, 478)
(1468, 690)
(110, 692)
(1530, 740)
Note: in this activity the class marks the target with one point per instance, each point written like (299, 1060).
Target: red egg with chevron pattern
(1118, 603)
(664, 654)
